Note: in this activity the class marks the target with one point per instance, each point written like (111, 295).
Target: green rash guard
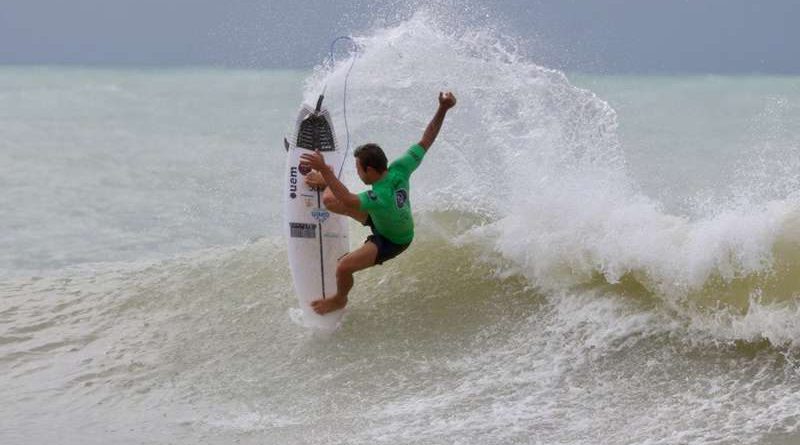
(388, 203)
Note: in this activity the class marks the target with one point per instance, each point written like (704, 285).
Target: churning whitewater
(549, 297)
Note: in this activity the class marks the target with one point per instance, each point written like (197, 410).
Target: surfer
(386, 208)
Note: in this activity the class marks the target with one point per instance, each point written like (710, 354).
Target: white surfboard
(316, 237)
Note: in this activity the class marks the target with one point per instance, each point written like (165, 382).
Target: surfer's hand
(447, 100)
(314, 160)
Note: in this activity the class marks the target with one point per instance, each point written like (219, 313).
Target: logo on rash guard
(372, 195)
(401, 198)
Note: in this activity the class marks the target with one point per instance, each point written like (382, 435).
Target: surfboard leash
(344, 99)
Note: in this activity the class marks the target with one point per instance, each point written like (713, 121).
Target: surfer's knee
(343, 269)
(347, 266)
(330, 201)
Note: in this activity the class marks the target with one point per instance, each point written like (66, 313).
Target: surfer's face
(361, 172)
(368, 175)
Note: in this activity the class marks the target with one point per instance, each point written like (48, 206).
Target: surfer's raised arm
(317, 162)
(446, 102)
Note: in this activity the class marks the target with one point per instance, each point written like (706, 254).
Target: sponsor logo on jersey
(401, 198)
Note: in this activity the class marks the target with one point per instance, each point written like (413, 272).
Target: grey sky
(613, 36)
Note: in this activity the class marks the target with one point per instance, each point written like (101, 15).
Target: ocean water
(599, 259)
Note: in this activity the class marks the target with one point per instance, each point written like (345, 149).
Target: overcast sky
(609, 36)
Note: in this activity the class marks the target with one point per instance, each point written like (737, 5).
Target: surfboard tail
(315, 130)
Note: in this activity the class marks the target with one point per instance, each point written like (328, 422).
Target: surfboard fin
(286, 143)
(319, 103)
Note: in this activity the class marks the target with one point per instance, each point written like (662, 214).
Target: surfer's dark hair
(371, 155)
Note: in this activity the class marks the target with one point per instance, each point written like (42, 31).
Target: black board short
(386, 249)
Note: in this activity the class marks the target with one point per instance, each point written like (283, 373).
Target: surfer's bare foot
(315, 180)
(325, 305)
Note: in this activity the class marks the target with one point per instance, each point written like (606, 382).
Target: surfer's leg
(333, 204)
(359, 259)
(315, 180)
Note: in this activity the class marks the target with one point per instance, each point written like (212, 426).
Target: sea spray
(534, 167)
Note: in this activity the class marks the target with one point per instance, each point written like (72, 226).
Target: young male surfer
(386, 208)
